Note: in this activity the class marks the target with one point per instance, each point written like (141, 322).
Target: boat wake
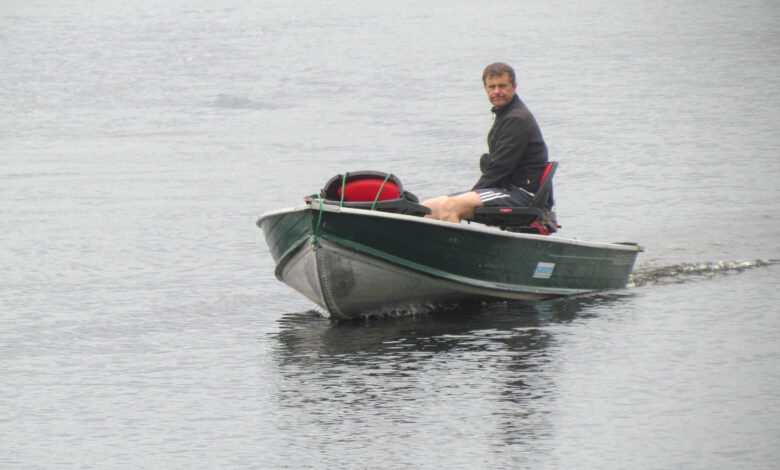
(679, 273)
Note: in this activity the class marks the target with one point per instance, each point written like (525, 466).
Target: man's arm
(512, 139)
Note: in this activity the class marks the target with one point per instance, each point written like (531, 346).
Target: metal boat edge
(468, 227)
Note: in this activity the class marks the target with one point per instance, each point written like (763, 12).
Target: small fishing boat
(362, 247)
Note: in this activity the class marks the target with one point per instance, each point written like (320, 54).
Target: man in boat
(512, 170)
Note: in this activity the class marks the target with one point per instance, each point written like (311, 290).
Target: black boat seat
(370, 190)
(537, 217)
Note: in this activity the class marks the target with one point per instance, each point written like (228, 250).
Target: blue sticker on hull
(544, 270)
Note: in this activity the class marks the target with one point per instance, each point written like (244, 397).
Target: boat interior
(377, 190)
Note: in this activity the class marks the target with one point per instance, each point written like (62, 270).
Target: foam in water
(684, 272)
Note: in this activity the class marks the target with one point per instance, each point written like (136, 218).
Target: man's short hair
(496, 70)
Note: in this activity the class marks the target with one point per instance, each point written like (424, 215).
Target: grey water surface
(141, 325)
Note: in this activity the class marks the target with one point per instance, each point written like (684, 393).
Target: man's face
(500, 90)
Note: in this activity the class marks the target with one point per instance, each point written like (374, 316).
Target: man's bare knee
(459, 207)
(434, 205)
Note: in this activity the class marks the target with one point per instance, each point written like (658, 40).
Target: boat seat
(537, 217)
(370, 190)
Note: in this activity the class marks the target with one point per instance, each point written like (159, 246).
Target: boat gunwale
(465, 227)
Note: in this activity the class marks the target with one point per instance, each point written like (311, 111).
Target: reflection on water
(435, 371)
(307, 333)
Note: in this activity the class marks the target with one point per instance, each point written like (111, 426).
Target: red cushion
(366, 189)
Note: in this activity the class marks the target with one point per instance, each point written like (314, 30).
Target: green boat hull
(355, 263)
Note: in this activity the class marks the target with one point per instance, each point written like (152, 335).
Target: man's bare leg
(456, 208)
(434, 205)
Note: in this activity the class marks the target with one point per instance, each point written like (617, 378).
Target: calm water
(140, 322)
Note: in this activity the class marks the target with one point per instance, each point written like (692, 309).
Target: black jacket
(518, 154)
